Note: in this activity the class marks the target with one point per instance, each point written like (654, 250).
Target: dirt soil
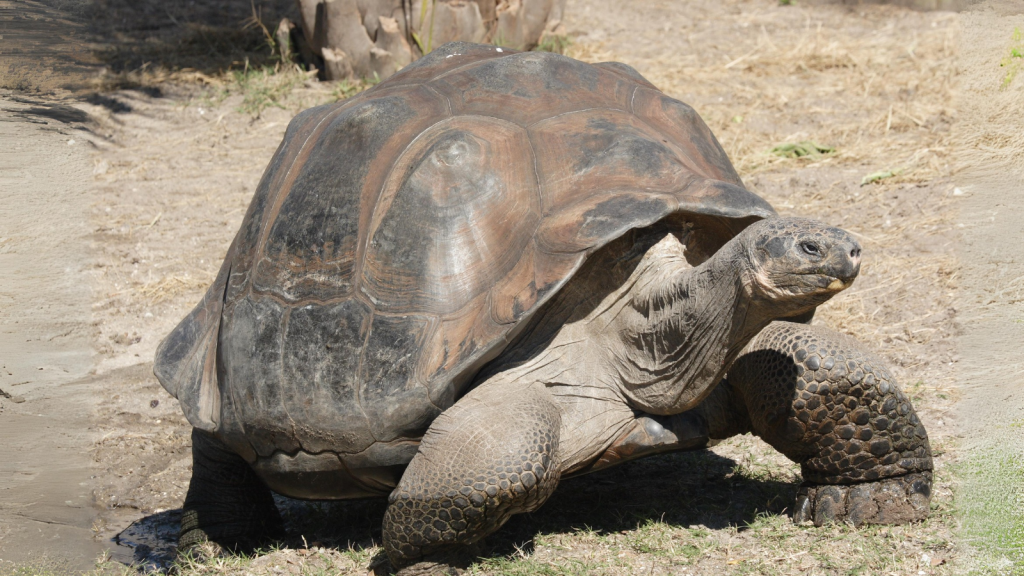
(45, 335)
(107, 242)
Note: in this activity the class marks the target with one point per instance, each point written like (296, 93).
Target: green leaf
(803, 149)
(878, 176)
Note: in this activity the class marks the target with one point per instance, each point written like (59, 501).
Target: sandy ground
(106, 243)
(46, 463)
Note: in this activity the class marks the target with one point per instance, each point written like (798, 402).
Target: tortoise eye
(811, 248)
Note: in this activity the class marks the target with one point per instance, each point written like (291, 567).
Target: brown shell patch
(626, 71)
(460, 206)
(242, 252)
(684, 128)
(528, 87)
(592, 220)
(604, 152)
(445, 59)
(309, 246)
(519, 291)
(455, 343)
(320, 363)
(251, 362)
(394, 400)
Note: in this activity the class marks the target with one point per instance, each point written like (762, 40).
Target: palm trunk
(375, 38)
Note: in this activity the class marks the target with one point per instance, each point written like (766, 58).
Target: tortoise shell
(399, 238)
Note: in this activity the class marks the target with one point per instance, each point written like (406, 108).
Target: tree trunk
(376, 38)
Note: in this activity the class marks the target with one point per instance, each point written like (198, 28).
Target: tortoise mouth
(838, 284)
(827, 282)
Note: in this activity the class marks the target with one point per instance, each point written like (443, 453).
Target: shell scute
(454, 345)
(273, 181)
(444, 59)
(454, 217)
(684, 128)
(528, 87)
(323, 344)
(582, 226)
(393, 398)
(310, 247)
(250, 355)
(626, 71)
(604, 152)
(511, 299)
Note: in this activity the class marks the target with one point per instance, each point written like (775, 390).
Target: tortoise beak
(846, 264)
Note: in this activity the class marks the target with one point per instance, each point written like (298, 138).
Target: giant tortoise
(498, 269)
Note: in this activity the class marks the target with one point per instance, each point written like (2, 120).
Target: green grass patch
(557, 43)
(879, 176)
(1014, 58)
(990, 502)
(265, 86)
(651, 537)
(534, 567)
(275, 86)
(805, 149)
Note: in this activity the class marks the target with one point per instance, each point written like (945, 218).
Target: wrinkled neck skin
(659, 342)
(683, 326)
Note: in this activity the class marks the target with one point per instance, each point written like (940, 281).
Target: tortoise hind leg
(226, 502)
(836, 410)
(491, 455)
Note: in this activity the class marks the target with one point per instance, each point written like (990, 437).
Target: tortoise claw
(803, 511)
(896, 500)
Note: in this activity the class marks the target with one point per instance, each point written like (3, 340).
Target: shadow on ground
(692, 489)
(208, 36)
(88, 45)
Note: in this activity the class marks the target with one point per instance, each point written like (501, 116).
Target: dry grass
(172, 287)
(867, 92)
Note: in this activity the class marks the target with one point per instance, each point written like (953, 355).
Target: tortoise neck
(687, 327)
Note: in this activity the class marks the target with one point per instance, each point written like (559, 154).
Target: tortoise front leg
(491, 455)
(226, 504)
(835, 409)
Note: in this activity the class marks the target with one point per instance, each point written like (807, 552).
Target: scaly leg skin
(491, 455)
(815, 396)
(226, 504)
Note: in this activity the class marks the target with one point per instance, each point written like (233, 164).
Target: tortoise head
(797, 264)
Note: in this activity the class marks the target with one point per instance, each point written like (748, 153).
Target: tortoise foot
(491, 455)
(203, 543)
(896, 500)
(227, 506)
